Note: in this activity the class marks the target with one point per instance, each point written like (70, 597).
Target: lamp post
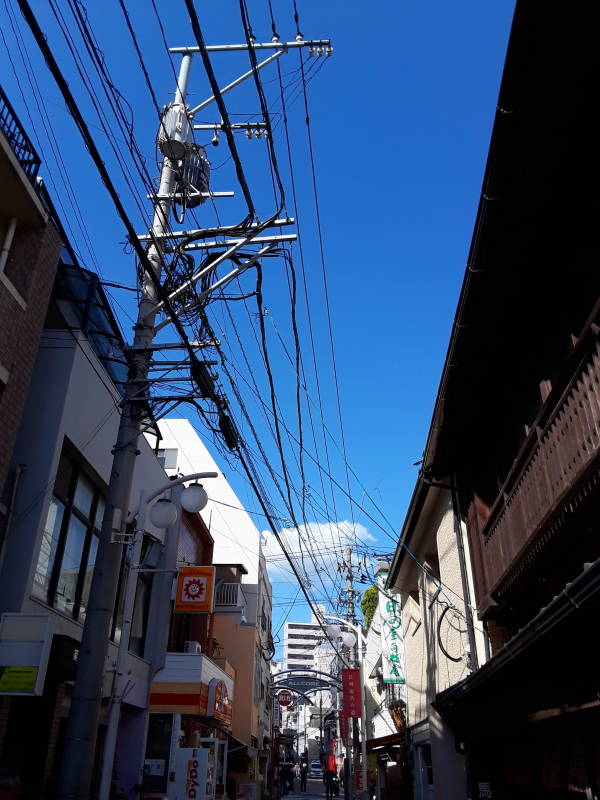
(163, 514)
(349, 640)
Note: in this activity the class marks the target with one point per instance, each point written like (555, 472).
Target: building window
(167, 457)
(67, 555)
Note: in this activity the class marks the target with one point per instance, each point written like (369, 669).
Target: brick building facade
(30, 247)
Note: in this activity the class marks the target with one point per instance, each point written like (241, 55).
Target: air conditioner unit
(192, 647)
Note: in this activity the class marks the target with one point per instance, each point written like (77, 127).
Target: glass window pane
(84, 494)
(47, 554)
(64, 477)
(71, 563)
(87, 580)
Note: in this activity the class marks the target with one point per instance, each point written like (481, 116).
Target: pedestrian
(10, 784)
(303, 776)
(328, 780)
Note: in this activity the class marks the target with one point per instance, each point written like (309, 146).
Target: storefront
(188, 730)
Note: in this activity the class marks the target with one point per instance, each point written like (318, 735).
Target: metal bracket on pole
(228, 48)
(284, 237)
(235, 273)
(213, 265)
(236, 82)
(205, 233)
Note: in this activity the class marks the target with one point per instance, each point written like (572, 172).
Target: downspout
(8, 240)
(474, 661)
(19, 470)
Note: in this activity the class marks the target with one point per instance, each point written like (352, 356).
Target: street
(314, 788)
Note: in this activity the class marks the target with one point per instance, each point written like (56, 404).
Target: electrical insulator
(329, 50)
(311, 51)
(319, 51)
(249, 133)
(259, 133)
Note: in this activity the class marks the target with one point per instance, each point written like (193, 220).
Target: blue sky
(401, 118)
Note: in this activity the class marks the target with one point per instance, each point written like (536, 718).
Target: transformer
(175, 137)
(195, 176)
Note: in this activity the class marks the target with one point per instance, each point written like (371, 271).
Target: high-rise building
(300, 641)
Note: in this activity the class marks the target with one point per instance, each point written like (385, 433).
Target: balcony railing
(17, 138)
(553, 463)
(229, 595)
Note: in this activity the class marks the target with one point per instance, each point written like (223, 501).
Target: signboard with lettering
(195, 590)
(190, 765)
(392, 649)
(343, 727)
(219, 703)
(25, 641)
(352, 691)
(284, 697)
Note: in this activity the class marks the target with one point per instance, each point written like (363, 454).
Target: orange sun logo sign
(195, 587)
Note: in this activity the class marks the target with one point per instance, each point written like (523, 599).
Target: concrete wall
(238, 643)
(71, 396)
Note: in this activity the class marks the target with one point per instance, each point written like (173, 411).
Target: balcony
(553, 476)
(17, 138)
(229, 598)
(19, 164)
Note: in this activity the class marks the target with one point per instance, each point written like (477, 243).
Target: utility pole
(82, 726)
(79, 751)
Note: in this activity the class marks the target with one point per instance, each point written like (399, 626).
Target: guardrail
(18, 140)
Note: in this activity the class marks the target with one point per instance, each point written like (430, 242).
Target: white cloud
(315, 546)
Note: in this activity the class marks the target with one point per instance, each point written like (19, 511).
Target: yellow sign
(18, 679)
(195, 588)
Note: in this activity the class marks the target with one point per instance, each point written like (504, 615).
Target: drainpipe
(19, 470)
(463, 575)
(8, 240)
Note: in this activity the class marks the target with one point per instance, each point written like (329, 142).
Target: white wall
(237, 539)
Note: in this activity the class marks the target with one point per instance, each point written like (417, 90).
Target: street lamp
(163, 514)
(350, 639)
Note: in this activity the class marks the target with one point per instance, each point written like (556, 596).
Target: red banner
(351, 690)
(343, 728)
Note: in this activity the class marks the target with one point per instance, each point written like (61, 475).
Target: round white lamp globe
(163, 513)
(348, 639)
(333, 631)
(194, 498)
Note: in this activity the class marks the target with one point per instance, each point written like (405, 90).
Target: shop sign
(391, 634)
(351, 690)
(195, 590)
(284, 697)
(189, 773)
(25, 641)
(343, 727)
(485, 790)
(219, 704)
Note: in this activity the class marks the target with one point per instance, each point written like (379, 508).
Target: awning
(513, 682)
(385, 742)
(235, 744)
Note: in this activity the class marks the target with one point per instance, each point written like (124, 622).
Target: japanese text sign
(391, 635)
(351, 690)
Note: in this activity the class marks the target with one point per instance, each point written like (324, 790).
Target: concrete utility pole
(82, 727)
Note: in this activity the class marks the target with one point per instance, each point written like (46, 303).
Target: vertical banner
(392, 649)
(351, 690)
(343, 728)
